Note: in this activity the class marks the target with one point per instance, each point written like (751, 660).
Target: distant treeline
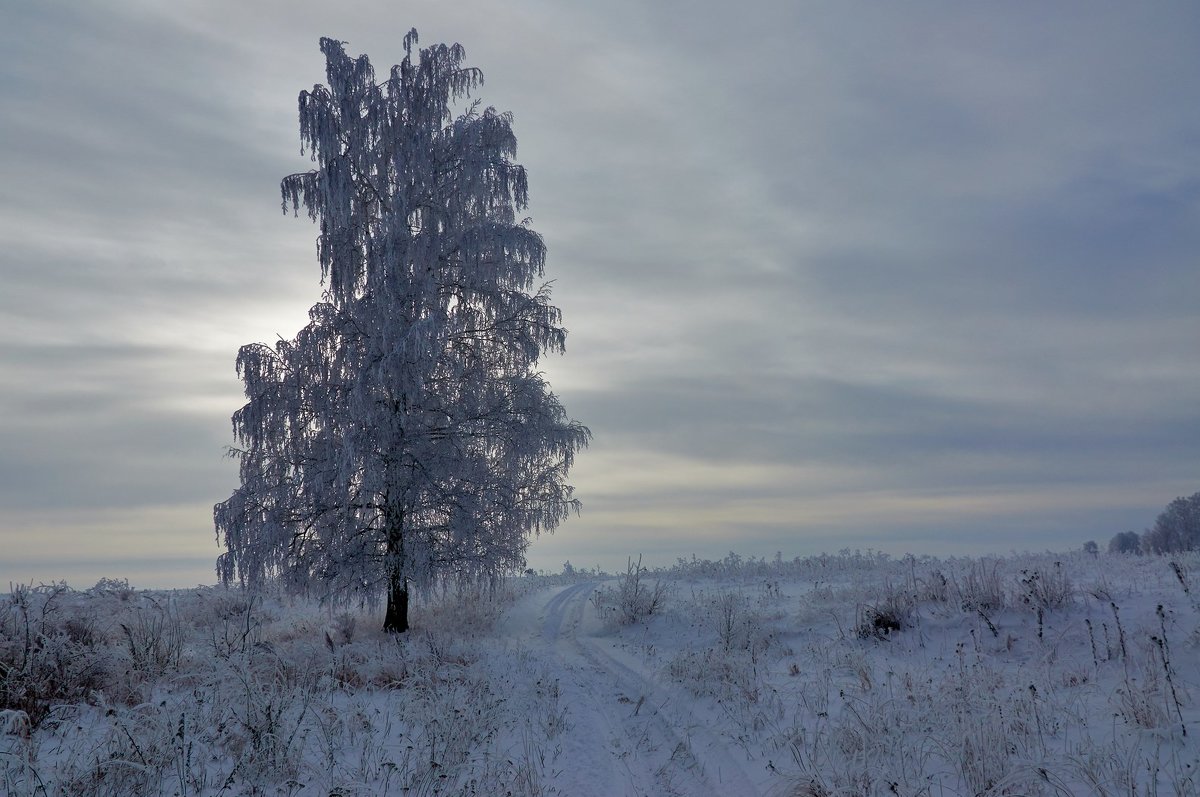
(1176, 529)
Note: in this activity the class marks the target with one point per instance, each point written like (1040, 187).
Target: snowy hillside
(852, 674)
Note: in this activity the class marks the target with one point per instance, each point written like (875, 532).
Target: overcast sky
(916, 277)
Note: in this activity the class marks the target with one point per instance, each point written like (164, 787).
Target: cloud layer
(918, 279)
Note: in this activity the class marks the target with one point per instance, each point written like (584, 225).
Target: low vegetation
(213, 691)
(848, 674)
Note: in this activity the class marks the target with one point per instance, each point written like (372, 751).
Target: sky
(917, 278)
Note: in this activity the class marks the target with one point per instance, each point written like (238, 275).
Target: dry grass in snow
(854, 674)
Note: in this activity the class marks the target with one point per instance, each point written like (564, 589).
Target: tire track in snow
(556, 609)
(649, 737)
(720, 771)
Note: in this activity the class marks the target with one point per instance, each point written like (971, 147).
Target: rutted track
(631, 733)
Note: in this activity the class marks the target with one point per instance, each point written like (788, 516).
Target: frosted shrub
(154, 638)
(634, 598)
(229, 619)
(738, 625)
(118, 587)
(982, 587)
(50, 652)
(1047, 588)
(935, 587)
(882, 620)
(893, 612)
(266, 737)
(729, 609)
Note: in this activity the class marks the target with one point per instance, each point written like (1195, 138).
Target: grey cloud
(901, 436)
(941, 252)
(110, 426)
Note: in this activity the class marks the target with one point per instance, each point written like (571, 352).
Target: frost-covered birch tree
(405, 436)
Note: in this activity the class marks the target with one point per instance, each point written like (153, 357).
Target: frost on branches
(404, 437)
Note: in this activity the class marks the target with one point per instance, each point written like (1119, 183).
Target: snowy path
(626, 732)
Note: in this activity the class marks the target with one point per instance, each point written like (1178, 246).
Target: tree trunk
(395, 619)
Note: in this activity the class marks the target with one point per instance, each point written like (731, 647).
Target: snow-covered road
(626, 731)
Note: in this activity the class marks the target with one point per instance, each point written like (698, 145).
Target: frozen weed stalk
(1183, 576)
(1164, 651)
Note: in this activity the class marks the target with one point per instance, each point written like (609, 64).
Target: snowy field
(852, 674)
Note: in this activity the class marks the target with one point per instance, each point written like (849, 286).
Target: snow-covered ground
(853, 674)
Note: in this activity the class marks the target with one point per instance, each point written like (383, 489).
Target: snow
(848, 674)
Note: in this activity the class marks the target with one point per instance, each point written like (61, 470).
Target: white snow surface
(628, 731)
(853, 674)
